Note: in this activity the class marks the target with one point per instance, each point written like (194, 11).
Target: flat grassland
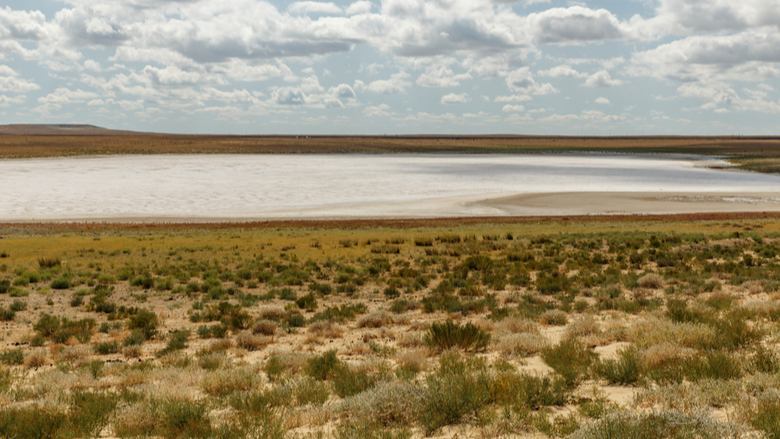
(607, 327)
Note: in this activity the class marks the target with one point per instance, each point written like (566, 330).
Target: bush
(308, 302)
(7, 315)
(253, 342)
(60, 283)
(47, 325)
(106, 348)
(145, 321)
(348, 382)
(667, 425)
(176, 342)
(325, 366)
(264, 327)
(570, 359)
(553, 317)
(183, 419)
(12, 357)
(651, 280)
(136, 338)
(623, 370)
(766, 416)
(448, 335)
(459, 389)
(31, 422)
(49, 262)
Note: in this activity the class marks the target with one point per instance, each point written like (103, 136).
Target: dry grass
(374, 320)
(325, 329)
(252, 342)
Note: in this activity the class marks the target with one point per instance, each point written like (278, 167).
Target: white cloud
(575, 25)
(92, 65)
(521, 82)
(360, 7)
(513, 108)
(377, 111)
(309, 7)
(439, 75)
(602, 100)
(562, 71)
(602, 79)
(746, 56)
(453, 98)
(14, 84)
(396, 84)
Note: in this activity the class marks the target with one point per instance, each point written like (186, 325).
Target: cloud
(513, 108)
(377, 111)
(12, 83)
(745, 56)
(23, 25)
(562, 71)
(396, 84)
(453, 98)
(602, 79)
(574, 25)
(309, 7)
(360, 7)
(521, 82)
(441, 76)
(602, 100)
(343, 91)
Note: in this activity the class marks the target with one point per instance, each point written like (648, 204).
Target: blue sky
(394, 66)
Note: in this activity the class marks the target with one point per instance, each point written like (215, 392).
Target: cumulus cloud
(602, 100)
(396, 84)
(11, 82)
(378, 110)
(746, 56)
(562, 71)
(453, 98)
(521, 82)
(309, 7)
(513, 108)
(360, 7)
(575, 24)
(602, 78)
(439, 75)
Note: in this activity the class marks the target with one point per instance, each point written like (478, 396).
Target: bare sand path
(616, 203)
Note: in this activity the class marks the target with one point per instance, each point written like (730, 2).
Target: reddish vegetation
(62, 142)
(88, 227)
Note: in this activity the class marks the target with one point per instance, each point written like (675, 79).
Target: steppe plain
(650, 326)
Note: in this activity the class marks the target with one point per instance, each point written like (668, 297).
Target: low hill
(60, 130)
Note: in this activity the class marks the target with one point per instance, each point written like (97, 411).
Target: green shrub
(136, 338)
(448, 335)
(528, 391)
(5, 286)
(183, 419)
(47, 325)
(365, 429)
(7, 315)
(12, 357)
(766, 415)
(60, 283)
(106, 348)
(459, 389)
(570, 359)
(32, 422)
(90, 413)
(177, 341)
(348, 382)
(666, 425)
(325, 366)
(145, 321)
(625, 369)
(308, 302)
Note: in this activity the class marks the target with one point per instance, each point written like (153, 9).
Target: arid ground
(585, 327)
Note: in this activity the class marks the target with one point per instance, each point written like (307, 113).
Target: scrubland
(581, 328)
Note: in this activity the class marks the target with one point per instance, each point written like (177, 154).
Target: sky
(607, 67)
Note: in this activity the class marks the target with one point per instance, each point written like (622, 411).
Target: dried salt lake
(213, 187)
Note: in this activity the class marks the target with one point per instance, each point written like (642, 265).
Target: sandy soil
(612, 203)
